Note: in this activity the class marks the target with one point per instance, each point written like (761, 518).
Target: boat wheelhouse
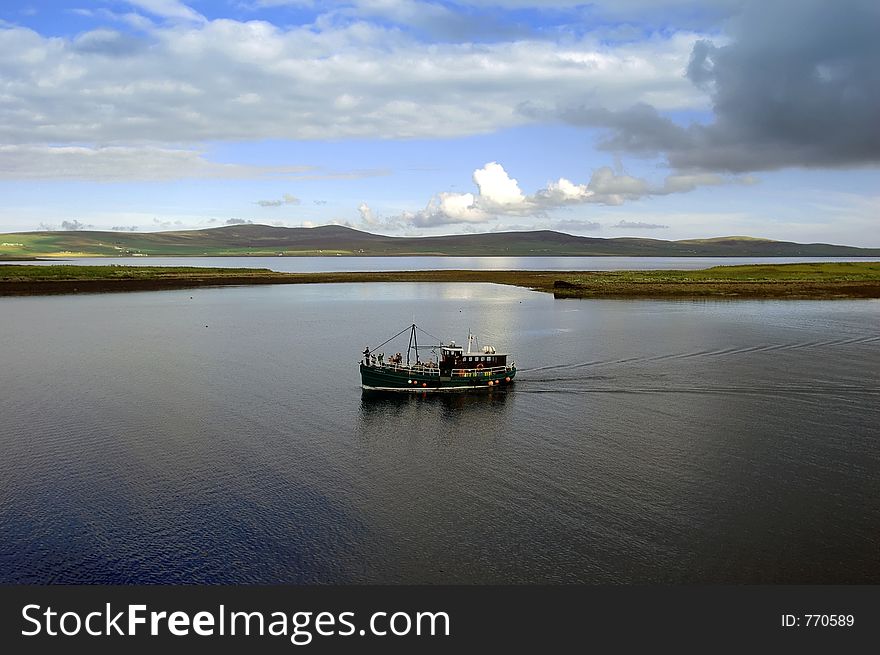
(455, 368)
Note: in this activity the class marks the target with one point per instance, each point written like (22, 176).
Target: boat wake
(528, 373)
(532, 385)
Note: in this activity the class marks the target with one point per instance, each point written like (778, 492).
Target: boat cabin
(454, 357)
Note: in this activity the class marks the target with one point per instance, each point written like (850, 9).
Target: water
(220, 436)
(358, 264)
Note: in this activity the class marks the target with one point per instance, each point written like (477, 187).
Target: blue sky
(664, 119)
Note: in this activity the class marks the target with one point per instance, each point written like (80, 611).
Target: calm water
(220, 436)
(357, 264)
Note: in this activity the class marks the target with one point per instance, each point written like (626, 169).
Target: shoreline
(778, 281)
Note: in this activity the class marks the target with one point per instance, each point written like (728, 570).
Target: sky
(662, 119)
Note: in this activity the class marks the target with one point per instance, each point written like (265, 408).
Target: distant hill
(334, 239)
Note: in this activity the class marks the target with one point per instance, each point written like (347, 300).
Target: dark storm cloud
(799, 85)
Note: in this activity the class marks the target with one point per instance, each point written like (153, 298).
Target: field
(819, 281)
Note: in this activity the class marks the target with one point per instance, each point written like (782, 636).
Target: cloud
(638, 225)
(500, 195)
(75, 225)
(286, 199)
(575, 225)
(170, 9)
(132, 19)
(227, 80)
(367, 215)
(447, 208)
(793, 88)
(563, 192)
(124, 228)
(144, 163)
(160, 223)
(238, 221)
(109, 43)
(498, 191)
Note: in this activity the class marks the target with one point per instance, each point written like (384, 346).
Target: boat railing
(421, 369)
(403, 368)
(479, 372)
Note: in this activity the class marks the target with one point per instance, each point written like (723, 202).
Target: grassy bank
(824, 280)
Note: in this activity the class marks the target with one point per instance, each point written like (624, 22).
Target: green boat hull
(388, 379)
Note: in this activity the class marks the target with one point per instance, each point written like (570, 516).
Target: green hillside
(262, 240)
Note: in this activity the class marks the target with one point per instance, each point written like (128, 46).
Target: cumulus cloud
(563, 192)
(446, 208)
(498, 191)
(500, 195)
(795, 87)
(238, 221)
(286, 199)
(367, 215)
(639, 225)
(124, 228)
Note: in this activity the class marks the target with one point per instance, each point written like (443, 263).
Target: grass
(820, 280)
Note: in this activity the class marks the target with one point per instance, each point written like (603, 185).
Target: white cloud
(182, 82)
(564, 192)
(576, 225)
(446, 208)
(500, 195)
(145, 163)
(497, 188)
(639, 225)
(172, 9)
(286, 199)
(367, 215)
(111, 164)
(610, 188)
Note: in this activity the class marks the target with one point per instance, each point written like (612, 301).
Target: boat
(456, 368)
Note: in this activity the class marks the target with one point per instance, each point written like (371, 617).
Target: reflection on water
(380, 406)
(343, 264)
(221, 436)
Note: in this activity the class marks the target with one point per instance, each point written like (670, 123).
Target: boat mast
(413, 344)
